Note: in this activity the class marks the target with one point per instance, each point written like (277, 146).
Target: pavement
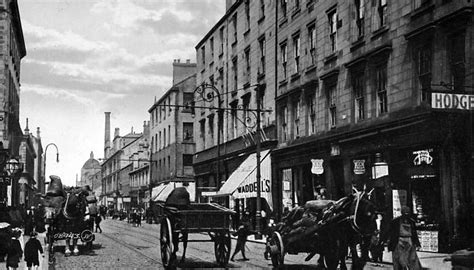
(42, 260)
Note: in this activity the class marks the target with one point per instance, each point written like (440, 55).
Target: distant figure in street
(242, 233)
(15, 252)
(30, 220)
(32, 247)
(97, 220)
(403, 241)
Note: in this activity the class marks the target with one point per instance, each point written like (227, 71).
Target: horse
(352, 219)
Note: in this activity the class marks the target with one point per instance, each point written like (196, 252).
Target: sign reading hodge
(452, 101)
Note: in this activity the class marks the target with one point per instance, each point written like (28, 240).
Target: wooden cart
(209, 218)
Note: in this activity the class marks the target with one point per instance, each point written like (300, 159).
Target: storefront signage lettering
(252, 187)
(452, 101)
(317, 167)
(359, 166)
(422, 156)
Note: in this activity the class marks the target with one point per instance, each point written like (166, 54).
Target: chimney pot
(188, 61)
(179, 60)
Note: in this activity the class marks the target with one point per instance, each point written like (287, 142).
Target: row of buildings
(21, 151)
(375, 94)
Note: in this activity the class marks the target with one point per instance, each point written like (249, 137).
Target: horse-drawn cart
(178, 222)
(323, 227)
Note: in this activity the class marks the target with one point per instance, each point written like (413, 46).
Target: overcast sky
(87, 57)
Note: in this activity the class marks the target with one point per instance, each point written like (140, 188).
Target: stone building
(236, 57)
(378, 94)
(172, 132)
(13, 50)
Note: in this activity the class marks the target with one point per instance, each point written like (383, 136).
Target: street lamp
(45, 152)
(379, 168)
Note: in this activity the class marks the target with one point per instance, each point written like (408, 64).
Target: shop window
(283, 56)
(290, 198)
(381, 88)
(359, 95)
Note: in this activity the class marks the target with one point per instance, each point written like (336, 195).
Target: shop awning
(161, 192)
(242, 183)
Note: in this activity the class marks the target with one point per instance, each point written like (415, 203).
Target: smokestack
(107, 135)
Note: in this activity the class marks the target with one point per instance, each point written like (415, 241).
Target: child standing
(15, 252)
(31, 251)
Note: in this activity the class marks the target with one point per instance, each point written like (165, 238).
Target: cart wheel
(166, 240)
(222, 248)
(277, 250)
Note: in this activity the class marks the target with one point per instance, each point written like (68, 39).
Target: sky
(87, 57)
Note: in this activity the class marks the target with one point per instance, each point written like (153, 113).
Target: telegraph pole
(258, 215)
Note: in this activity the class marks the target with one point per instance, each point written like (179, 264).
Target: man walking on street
(403, 241)
(242, 233)
(32, 247)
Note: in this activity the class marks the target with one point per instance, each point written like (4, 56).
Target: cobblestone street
(122, 246)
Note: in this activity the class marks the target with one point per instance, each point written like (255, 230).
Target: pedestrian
(15, 252)
(403, 241)
(242, 233)
(32, 247)
(98, 219)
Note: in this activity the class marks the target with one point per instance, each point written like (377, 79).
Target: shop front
(422, 162)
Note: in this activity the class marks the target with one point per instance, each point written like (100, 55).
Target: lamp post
(44, 161)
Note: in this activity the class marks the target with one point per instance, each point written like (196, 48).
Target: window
(296, 117)
(421, 3)
(457, 60)
(221, 78)
(311, 112)
(169, 106)
(211, 129)
(284, 122)
(296, 53)
(333, 30)
(247, 14)
(235, 72)
(161, 140)
(423, 55)
(202, 132)
(233, 118)
(169, 134)
(211, 80)
(188, 132)
(332, 99)
(245, 107)
(247, 65)
(187, 160)
(211, 47)
(284, 7)
(262, 8)
(359, 8)
(359, 95)
(203, 55)
(164, 138)
(381, 84)
(262, 52)
(312, 43)
(382, 12)
(221, 39)
(283, 53)
(297, 5)
(234, 25)
(188, 100)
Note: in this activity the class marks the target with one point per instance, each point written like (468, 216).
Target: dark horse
(352, 218)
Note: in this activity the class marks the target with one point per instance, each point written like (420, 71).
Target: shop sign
(399, 199)
(452, 101)
(428, 240)
(359, 166)
(110, 199)
(422, 156)
(317, 167)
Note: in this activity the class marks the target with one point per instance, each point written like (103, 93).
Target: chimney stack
(117, 133)
(107, 135)
(38, 132)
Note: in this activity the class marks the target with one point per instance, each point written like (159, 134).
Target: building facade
(378, 94)
(90, 168)
(236, 59)
(139, 180)
(172, 131)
